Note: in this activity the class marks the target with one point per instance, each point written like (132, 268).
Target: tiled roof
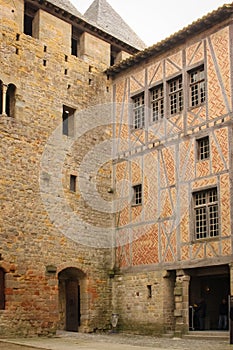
(211, 19)
(105, 17)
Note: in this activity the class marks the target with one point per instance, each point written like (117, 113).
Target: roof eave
(177, 38)
(84, 25)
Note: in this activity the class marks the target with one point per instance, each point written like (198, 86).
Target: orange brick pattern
(155, 73)
(174, 64)
(225, 205)
(162, 202)
(216, 100)
(223, 145)
(220, 42)
(195, 53)
(145, 248)
(137, 81)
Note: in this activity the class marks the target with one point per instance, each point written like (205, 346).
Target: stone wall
(47, 77)
(144, 302)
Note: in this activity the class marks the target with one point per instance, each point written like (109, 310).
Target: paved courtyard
(78, 341)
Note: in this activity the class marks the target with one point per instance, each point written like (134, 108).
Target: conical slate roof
(67, 6)
(105, 17)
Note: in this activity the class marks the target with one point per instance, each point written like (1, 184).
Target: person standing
(223, 315)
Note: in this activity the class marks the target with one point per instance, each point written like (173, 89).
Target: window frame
(203, 150)
(175, 95)
(138, 111)
(197, 97)
(208, 213)
(157, 103)
(137, 195)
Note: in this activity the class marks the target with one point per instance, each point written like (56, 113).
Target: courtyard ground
(78, 341)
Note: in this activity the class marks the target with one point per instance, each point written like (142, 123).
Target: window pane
(138, 112)
(206, 214)
(175, 95)
(197, 86)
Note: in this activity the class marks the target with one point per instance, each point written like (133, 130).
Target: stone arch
(73, 303)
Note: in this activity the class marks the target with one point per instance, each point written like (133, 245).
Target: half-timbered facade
(173, 159)
(145, 234)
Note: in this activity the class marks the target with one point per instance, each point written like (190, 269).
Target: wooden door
(72, 306)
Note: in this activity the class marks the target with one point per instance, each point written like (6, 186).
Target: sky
(155, 20)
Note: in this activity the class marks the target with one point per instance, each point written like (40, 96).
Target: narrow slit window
(68, 121)
(149, 291)
(73, 179)
(75, 42)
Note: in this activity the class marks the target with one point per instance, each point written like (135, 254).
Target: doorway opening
(71, 298)
(211, 284)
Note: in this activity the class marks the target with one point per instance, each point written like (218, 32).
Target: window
(138, 112)
(206, 214)
(137, 195)
(2, 289)
(149, 291)
(203, 148)
(10, 100)
(157, 103)
(68, 121)
(115, 55)
(175, 87)
(73, 183)
(75, 42)
(30, 25)
(197, 86)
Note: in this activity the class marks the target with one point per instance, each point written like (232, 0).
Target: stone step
(220, 335)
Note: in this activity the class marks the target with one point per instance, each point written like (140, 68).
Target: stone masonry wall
(46, 78)
(144, 301)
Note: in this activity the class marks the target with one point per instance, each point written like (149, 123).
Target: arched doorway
(71, 298)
